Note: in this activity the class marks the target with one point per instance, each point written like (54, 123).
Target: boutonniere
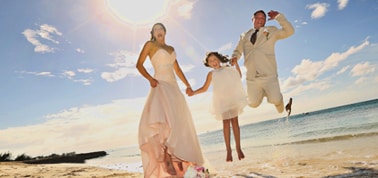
(266, 33)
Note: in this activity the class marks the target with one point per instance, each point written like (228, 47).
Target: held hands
(233, 61)
(189, 91)
(272, 14)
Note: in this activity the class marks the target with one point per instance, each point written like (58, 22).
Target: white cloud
(319, 85)
(319, 9)
(118, 74)
(303, 72)
(299, 23)
(85, 70)
(333, 60)
(66, 74)
(84, 81)
(45, 32)
(342, 4)
(360, 80)
(80, 50)
(124, 64)
(343, 70)
(46, 74)
(361, 69)
(69, 74)
(309, 71)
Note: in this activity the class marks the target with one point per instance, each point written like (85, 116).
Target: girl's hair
(152, 30)
(222, 58)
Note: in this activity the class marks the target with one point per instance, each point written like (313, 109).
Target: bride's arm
(142, 58)
(181, 75)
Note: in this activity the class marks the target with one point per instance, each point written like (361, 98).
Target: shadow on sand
(254, 175)
(357, 172)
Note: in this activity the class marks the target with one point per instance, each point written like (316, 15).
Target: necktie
(253, 37)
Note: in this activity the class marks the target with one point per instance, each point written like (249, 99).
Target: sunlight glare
(138, 12)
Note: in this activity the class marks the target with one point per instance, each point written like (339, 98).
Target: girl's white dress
(229, 96)
(166, 121)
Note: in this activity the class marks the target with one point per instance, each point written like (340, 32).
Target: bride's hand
(154, 83)
(189, 92)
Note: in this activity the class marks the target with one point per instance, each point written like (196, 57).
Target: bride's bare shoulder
(171, 48)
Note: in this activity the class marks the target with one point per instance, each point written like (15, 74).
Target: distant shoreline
(74, 158)
(64, 158)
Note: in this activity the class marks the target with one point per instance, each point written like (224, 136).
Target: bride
(167, 136)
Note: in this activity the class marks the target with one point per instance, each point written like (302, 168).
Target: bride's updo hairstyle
(152, 30)
(222, 58)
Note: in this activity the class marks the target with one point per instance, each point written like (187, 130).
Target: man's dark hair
(259, 11)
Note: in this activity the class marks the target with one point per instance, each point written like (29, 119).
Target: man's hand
(272, 14)
(233, 61)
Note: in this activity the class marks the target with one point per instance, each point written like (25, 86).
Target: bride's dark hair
(222, 58)
(152, 35)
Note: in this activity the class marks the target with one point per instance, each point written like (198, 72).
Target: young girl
(229, 97)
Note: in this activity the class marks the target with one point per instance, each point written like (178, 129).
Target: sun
(138, 12)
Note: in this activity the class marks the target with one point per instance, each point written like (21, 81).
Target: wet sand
(340, 157)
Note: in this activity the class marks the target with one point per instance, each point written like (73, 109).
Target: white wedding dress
(166, 121)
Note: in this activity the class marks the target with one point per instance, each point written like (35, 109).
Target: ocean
(328, 124)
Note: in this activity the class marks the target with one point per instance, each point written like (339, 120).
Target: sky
(69, 82)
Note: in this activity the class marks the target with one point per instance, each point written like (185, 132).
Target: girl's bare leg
(226, 134)
(236, 131)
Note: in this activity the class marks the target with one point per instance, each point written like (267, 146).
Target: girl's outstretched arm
(238, 68)
(205, 85)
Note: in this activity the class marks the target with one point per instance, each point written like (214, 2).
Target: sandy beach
(341, 157)
(16, 170)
